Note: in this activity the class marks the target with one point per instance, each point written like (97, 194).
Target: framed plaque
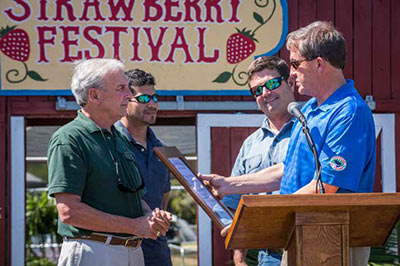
(179, 166)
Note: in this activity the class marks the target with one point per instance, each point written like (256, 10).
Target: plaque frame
(165, 154)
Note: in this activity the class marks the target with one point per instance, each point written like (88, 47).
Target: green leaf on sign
(258, 18)
(223, 77)
(35, 76)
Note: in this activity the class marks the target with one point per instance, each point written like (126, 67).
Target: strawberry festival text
(163, 42)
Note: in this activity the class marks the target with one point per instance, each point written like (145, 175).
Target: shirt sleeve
(67, 170)
(232, 201)
(346, 148)
(167, 186)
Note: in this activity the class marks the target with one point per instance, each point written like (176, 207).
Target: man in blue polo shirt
(340, 123)
(142, 112)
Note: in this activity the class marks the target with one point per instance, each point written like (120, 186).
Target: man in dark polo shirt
(142, 112)
(94, 177)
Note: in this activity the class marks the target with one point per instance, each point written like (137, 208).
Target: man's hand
(219, 185)
(154, 225)
(239, 257)
(225, 231)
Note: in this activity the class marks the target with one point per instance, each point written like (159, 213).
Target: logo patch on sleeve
(338, 163)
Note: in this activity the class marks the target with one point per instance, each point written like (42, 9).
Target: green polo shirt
(80, 163)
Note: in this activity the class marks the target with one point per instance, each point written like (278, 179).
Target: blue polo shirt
(343, 130)
(157, 180)
(260, 150)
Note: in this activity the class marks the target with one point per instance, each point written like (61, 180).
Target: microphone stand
(311, 144)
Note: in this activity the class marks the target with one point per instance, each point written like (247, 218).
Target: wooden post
(319, 238)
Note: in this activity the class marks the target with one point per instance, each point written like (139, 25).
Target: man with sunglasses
(340, 122)
(142, 112)
(268, 79)
(94, 177)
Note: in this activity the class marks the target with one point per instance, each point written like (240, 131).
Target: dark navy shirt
(157, 180)
(343, 130)
(260, 150)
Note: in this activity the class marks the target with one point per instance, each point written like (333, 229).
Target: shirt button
(142, 149)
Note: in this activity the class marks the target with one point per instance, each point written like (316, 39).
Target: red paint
(19, 16)
(116, 31)
(95, 41)
(202, 48)
(95, 6)
(43, 40)
(155, 46)
(117, 6)
(67, 43)
(395, 50)
(179, 43)
(343, 20)
(378, 169)
(213, 5)
(68, 7)
(135, 45)
(363, 46)
(381, 49)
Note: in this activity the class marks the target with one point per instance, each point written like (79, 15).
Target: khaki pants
(89, 253)
(358, 256)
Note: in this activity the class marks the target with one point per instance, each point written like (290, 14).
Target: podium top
(265, 221)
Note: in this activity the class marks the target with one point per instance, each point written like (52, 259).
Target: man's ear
(321, 64)
(93, 95)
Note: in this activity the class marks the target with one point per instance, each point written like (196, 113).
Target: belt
(132, 242)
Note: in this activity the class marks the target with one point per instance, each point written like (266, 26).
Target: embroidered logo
(338, 163)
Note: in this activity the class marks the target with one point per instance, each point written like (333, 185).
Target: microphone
(294, 110)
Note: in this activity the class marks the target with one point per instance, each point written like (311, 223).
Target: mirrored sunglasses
(145, 98)
(270, 85)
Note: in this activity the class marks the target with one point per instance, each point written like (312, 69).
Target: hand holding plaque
(177, 164)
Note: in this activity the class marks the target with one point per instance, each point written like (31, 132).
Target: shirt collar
(339, 94)
(151, 137)
(266, 127)
(88, 123)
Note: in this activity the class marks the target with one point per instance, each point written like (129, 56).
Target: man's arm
(76, 213)
(310, 188)
(266, 180)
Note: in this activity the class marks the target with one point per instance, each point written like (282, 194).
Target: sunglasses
(270, 85)
(122, 187)
(296, 63)
(145, 98)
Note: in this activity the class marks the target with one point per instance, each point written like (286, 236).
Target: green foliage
(387, 254)
(182, 204)
(34, 261)
(41, 220)
(39, 170)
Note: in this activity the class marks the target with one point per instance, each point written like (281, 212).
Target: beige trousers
(89, 253)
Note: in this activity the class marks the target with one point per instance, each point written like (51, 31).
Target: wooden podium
(314, 229)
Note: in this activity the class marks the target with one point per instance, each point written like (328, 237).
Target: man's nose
(266, 92)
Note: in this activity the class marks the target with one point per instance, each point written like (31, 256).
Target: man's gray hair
(319, 39)
(89, 74)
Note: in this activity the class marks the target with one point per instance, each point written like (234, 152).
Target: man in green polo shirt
(94, 177)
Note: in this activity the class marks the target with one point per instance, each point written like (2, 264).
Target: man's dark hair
(269, 62)
(138, 77)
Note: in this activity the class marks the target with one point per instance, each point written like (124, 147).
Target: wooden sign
(191, 47)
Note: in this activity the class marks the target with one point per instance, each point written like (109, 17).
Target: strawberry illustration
(14, 43)
(240, 45)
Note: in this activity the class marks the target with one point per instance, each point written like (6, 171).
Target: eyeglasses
(145, 98)
(270, 85)
(123, 188)
(296, 63)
